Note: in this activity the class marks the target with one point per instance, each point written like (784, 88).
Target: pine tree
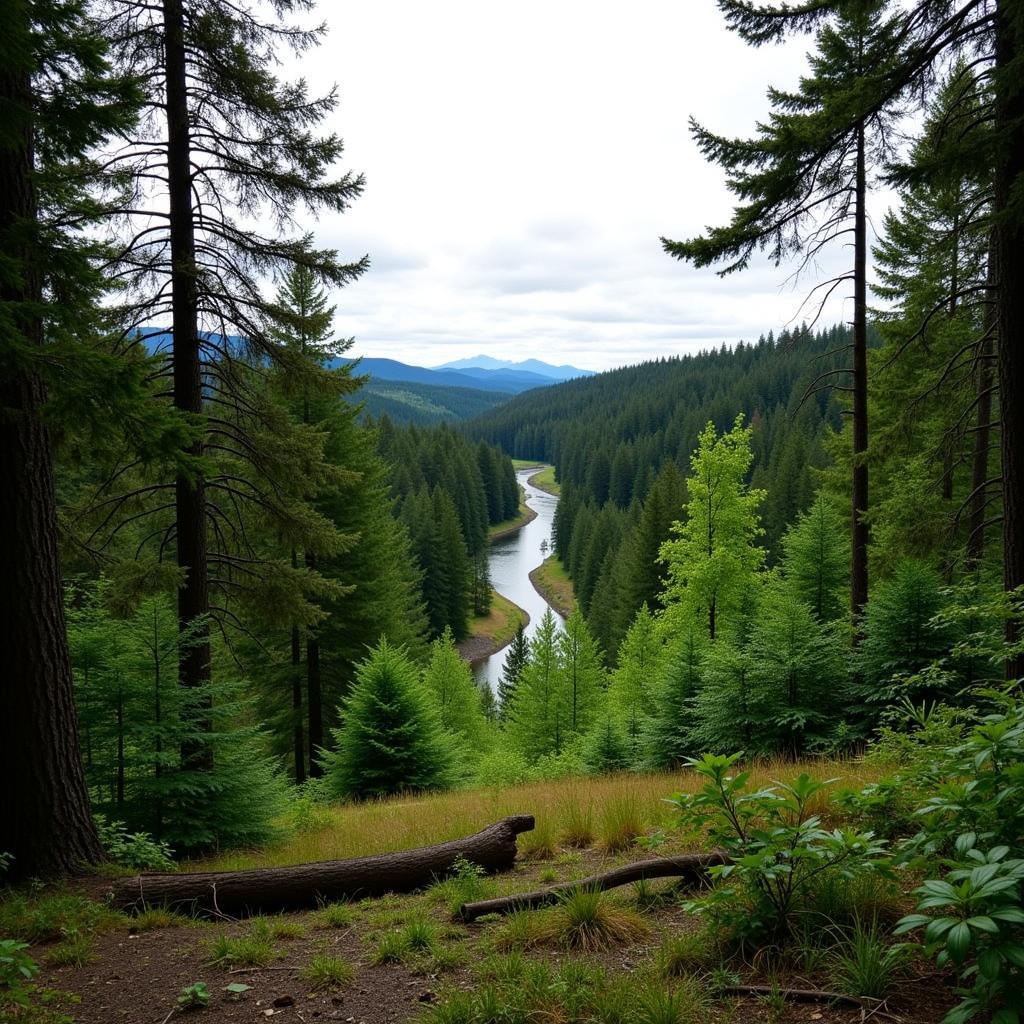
(537, 717)
(60, 101)
(455, 697)
(515, 660)
(390, 739)
(816, 559)
(231, 143)
(581, 672)
(606, 748)
(630, 691)
(666, 740)
(803, 182)
(712, 557)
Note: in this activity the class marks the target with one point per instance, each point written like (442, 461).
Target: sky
(521, 162)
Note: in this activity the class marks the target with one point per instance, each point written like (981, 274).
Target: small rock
(284, 1001)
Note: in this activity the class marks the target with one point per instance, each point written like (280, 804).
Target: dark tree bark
(691, 867)
(859, 546)
(983, 424)
(314, 694)
(44, 803)
(306, 885)
(190, 498)
(1009, 130)
(298, 734)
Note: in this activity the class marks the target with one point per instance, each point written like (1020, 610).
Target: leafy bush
(17, 968)
(777, 848)
(137, 850)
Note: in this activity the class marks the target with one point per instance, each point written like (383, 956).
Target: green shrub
(778, 848)
(866, 962)
(136, 850)
(17, 969)
(328, 972)
(194, 997)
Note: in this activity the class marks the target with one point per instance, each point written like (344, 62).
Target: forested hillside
(425, 404)
(621, 444)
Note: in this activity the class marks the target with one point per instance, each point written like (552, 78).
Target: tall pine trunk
(314, 693)
(1009, 129)
(190, 499)
(983, 422)
(298, 735)
(44, 802)
(859, 545)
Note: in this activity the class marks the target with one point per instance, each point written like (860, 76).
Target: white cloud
(523, 160)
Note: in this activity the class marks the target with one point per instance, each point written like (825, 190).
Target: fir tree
(456, 699)
(515, 660)
(803, 183)
(536, 719)
(581, 675)
(639, 665)
(712, 557)
(606, 748)
(816, 559)
(390, 739)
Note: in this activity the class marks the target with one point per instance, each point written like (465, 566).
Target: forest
(233, 585)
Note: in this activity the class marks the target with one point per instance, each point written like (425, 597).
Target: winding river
(511, 560)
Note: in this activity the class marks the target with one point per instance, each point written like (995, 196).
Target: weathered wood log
(691, 867)
(305, 885)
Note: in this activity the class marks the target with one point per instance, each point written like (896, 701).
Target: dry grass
(400, 823)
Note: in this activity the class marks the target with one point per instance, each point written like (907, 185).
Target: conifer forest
(683, 690)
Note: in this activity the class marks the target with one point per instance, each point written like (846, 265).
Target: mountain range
(537, 366)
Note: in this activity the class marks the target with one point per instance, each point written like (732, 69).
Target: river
(511, 561)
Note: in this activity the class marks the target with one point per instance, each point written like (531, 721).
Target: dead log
(306, 885)
(691, 867)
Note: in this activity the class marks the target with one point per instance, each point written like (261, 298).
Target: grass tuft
(74, 950)
(160, 917)
(622, 822)
(253, 950)
(328, 972)
(539, 844)
(576, 816)
(586, 920)
(866, 964)
(335, 915)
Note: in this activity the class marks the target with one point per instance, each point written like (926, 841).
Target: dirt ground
(135, 978)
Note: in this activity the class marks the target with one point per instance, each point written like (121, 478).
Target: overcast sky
(522, 161)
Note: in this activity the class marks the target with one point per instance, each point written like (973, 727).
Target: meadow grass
(553, 584)
(403, 822)
(545, 480)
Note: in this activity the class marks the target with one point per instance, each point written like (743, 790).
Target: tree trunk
(692, 867)
(859, 540)
(298, 736)
(983, 428)
(307, 885)
(190, 498)
(1009, 130)
(44, 802)
(314, 694)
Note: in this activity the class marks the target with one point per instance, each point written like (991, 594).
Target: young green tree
(816, 560)
(713, 556)
(803, 182)
(581, 674)
(607, 747)
(456, 699)
(390, 739)
(631, 690)
(536, 721)
(511, 670)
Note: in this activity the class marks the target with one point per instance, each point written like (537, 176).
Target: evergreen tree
(581, 671)
(803, 183)
(390, 739)
(666, 740)
(903, 637)
(515, 660)
(816, 559)
(456, 699)
(630, 691)
(230, 142)
(606, 748)
(713, 557)
(537, 717)
(59, 101)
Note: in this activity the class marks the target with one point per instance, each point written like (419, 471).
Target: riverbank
(545, 481)
(488, 634)
(510, 526)
(552, 582)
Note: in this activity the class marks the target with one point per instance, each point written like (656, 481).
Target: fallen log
(691, 867)
(238, 893)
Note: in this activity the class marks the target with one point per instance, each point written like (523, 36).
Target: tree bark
(859, 540)
(983, 421)
(314, 694)
(306, 885)
(190, 497)
(298, 735)
(1009, 130)
(44, 802)
(691, 866)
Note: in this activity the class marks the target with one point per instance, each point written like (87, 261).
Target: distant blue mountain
(534, 366)
(511, 382)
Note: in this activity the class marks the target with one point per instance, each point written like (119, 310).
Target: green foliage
(586, 920)
(254, 949)
(390, 739)
(607, 747)
(816, 559)
(467, 883)
(50, 915)
(713, 555)
(136, 850)
(630, 691)
(17, 968)
(454, 695)
(866, 963)
(777, 848)
(515, 660)
(194, 997)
